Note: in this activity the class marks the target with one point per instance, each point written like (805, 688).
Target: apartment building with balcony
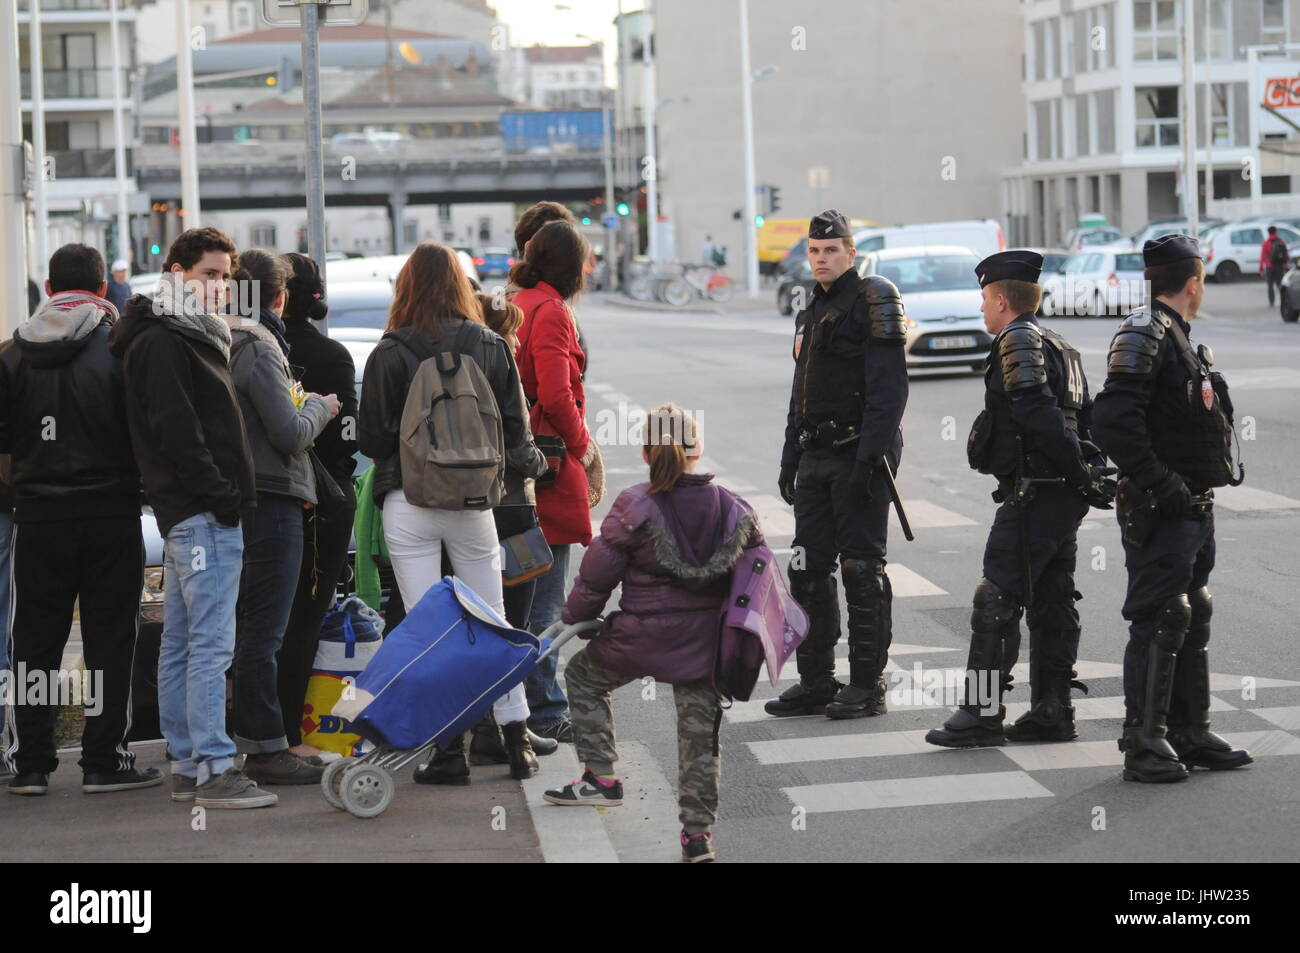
(1104, 106)
(79, 128)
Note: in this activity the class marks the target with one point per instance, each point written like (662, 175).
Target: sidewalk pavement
(488, 821)
(740, 304)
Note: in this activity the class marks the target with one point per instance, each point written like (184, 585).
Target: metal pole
(1209, 123)
(13, 236)
(185, 97)
(1191, 198)
(652, 182)
(40, 201)
(607, 140)
(1255, 98)
(124, 245)
(747, 116)
(315, 148)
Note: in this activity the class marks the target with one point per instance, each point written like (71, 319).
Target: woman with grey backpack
(441, 412)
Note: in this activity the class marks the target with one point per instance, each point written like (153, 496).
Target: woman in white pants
(432, 303)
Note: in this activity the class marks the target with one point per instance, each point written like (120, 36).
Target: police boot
(819, 597)
(1148, 756)
(866, 589)
(1051, 715)
(447, 766)
(994, 615)
(1189, 713)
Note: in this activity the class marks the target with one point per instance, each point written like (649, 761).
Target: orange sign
(1282, 92)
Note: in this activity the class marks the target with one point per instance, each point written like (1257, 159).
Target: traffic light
(622, 208)
(586, 220)
(773, 200)
(758, 221)
(154, 249)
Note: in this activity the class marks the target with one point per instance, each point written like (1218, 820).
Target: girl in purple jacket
(672, 544)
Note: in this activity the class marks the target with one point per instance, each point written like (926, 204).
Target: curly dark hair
(543, 213)
(306, 289)
(193, 243)
(556, 255)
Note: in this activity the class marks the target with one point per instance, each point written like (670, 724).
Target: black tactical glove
(1172, 496)
(1100, 488)
(864, 471)
(786, 483)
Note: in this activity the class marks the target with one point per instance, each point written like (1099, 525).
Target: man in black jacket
(77, 524)
(842, 432)
(194, 458)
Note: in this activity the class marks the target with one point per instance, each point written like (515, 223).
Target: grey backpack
(452, 446)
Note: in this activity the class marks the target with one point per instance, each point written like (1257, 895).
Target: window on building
(243, 18)
(1155, 30)
(1082, 125)
(1214, 30)
(1220, 113)
(1054, 48)
(1157, 116)
(1058, 131)
(1067, 46)
(1043, 130)
(485, 229)
(1274, 21)
(411, 232)
(1039, 34)
(1104, 120)
(262, 236)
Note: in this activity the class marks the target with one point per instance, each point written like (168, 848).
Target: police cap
(1017, 265)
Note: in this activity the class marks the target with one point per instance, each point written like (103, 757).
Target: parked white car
(942, 298)
(982, 236)
(386, 267)
(1232, 250)
(1095, 282)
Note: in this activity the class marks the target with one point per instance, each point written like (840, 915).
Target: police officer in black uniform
(1165, 418)
(850, 389)
(1033, 436)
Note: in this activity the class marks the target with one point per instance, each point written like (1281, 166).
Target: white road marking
(1247, 498)
(923, 514)
(774, 516)
(566, 835)
(1287, 717)
(912, 792)
(1091, 754)
(1093, 709)
(907, 582)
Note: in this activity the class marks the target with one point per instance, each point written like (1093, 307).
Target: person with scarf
(187, 434)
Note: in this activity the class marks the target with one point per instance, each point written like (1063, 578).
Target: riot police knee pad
(864, 579)
(1172, 621)
(993, 607)
(1202, 605)
(811, 588)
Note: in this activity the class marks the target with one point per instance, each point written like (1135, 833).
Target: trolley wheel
(366, 790)
(677, 293)
(330, 779)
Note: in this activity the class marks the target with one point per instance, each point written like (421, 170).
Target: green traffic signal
(586, 221)
(758, 221)
(622, 208)
(154, 249)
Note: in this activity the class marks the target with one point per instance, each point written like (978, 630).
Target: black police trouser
(101, 563)
(830, 525)
(1054, 515)
(1176, 562)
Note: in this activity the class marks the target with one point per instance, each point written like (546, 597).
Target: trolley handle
(565, 632)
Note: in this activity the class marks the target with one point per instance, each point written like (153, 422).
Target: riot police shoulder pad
(885, 314)
(1023, 365)
(1134, 348)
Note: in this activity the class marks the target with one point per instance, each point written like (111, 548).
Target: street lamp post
(650, 172)
(747, 80)
(40, 201)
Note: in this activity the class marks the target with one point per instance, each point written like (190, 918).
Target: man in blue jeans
(549, 709)
(197, 469)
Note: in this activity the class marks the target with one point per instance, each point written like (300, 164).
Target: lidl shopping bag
(439, 671)
(351, 634)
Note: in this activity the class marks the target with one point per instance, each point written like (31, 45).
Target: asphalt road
(808, 789)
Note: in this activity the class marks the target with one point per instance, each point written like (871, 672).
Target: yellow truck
(778, 235)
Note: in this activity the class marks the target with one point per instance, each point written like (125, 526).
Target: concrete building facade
(912, 107)
(1104, 112)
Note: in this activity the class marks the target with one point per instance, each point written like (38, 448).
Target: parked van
(982, 236)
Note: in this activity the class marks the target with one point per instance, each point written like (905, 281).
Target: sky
(538, 21)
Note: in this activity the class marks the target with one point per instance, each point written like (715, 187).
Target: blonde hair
(671, 440)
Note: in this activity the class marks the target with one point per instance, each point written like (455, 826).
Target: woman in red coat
(550, 365)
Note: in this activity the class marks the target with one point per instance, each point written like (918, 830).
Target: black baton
(893, 491)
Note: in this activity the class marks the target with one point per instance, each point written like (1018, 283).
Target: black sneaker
(587, 790)
(559, 730)
(698, 848)
(105, 782)
(29, 783)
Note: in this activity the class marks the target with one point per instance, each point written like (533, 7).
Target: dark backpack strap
(1184, 348)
